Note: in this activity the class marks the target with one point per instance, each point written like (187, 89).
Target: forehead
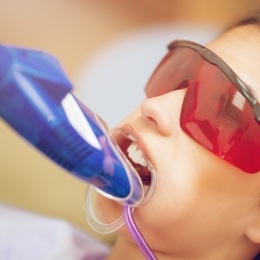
(239, 48)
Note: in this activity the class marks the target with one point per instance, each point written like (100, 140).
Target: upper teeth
(136, 154)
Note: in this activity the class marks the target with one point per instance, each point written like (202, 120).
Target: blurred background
(101, 45)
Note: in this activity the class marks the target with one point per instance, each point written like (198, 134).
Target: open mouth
(139, 162)
(135, 156)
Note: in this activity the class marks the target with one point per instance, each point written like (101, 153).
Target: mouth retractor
(148, 188)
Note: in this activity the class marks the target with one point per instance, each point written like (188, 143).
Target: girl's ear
(253, 231)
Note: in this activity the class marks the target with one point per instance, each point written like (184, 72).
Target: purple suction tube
(136, 234)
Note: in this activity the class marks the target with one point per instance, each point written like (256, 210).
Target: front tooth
(137, 156)
(143, 162)
(150, 168)
(132, 148)
(131, 137)
(134, 153)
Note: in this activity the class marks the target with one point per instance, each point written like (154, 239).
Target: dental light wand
(36, 100)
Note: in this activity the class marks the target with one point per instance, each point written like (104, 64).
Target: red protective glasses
(219, 111)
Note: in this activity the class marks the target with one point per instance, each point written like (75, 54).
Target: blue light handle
(36, 101)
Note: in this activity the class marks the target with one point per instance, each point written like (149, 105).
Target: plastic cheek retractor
(95, 220)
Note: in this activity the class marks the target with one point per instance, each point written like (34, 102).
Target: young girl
(199, 131)
(204, 206)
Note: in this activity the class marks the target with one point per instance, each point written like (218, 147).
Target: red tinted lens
(174, 72)
(214, 113)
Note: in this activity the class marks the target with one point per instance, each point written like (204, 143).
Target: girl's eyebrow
(253, 19)
(250, 17)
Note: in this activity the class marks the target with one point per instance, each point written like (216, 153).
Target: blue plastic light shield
(36, 100)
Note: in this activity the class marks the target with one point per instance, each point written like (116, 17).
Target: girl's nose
(164, 111)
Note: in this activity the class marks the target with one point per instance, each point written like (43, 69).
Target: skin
(203, 207)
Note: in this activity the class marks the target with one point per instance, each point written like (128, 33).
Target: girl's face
(202, 205)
